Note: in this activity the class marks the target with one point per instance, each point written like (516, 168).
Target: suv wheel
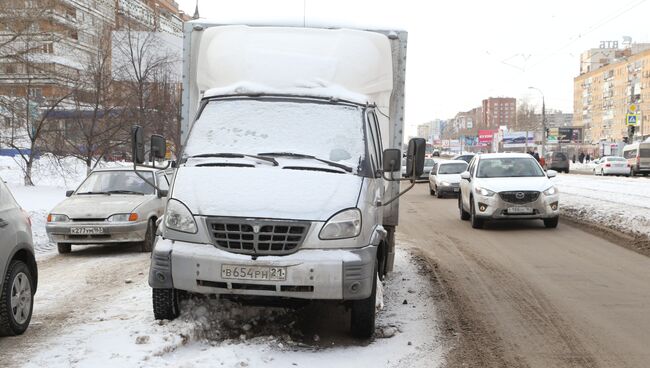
(464, 215)
(477, 223)
(16, 299)
(431, 191)
(362, 316)
(551, 223)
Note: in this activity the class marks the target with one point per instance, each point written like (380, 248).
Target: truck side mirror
(392, 159)
(162, 193)
(137, 144)
(158, 146)
(415, 157)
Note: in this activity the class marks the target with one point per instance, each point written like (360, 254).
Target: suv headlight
(345, 224)
(178, 217)
(444, 183)
(57, 218)
(550, 191)
(484, 191)
(123, 217)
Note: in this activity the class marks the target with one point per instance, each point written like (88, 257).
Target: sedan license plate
(456, 189)
(253, 273)
(86, 230)
(520, 210)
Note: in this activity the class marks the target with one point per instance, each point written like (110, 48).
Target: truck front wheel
(165, 303)
(362, 322)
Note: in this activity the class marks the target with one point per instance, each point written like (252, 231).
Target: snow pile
(213, 333)
(619, 203)
(580, 166)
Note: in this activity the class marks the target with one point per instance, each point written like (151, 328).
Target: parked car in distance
(428, 165)
(557, 161)
(507, 186)
(18, 271)
(436, 153)
(612, 165)
(638, 157)
(110, 206)
(467, 157)
(444, 178)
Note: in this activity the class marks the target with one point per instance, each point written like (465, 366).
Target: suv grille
(257, 236)
(519, 197)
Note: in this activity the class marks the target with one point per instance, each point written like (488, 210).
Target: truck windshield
(327, 131)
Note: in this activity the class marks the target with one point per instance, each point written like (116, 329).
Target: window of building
(74, 35)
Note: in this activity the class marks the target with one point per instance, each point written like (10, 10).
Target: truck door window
(380, 147)
(373, 148)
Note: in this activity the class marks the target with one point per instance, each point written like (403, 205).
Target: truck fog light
(354, 287)
(482, 207)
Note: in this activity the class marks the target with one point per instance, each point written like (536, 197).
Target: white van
(638, 157)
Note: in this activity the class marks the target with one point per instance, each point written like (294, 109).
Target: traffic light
(630, 131)
(625, 140)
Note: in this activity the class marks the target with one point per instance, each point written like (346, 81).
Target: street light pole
(543, 121)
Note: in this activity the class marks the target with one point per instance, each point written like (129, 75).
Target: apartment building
(498, 111)
(602, 96)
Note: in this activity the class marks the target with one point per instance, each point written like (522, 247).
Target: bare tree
(97, 122)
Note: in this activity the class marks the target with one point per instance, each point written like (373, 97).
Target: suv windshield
(326, 131)
(508, 167)
(116, 181)
(452, 168)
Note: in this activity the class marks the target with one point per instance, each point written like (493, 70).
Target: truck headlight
(178, 217)
(550, 191)
(123, 217)
(345, 224)
(484, 191)
(57, 218)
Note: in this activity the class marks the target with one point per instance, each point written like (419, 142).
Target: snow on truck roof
(318, 89)
(342, 63)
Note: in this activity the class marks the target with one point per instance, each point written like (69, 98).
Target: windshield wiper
(299, 155)
(124, 192)
(95, 193)
(236, 155)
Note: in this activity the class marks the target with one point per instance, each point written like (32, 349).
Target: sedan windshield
(325, 131)
(452, 168)
(118, 182)
(508, 167)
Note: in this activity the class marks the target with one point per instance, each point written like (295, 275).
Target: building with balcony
(602, 96)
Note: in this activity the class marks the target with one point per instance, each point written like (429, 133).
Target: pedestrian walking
(588, 157)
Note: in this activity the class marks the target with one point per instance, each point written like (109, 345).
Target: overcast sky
(461, 52)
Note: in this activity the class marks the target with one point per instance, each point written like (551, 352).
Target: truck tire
(18, 282)
(149, 237)
(64, 248)
(362, 315)
(165, 303)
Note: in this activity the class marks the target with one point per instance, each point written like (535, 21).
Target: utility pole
(544, 132)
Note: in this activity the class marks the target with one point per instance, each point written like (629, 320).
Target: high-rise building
(498, 111)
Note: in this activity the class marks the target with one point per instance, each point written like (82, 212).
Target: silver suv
(18, 272)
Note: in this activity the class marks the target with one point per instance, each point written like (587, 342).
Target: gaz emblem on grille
(520, 195)
(256, 229)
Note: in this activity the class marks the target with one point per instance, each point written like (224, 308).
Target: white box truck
(284, 186)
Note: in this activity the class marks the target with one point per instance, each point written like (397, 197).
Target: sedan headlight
(123, 217)
(550, 191)
(57, 218)
(178, 217)
(484, 191)
(345, 224)
(445, 183)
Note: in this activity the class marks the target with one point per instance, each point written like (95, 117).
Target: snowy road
(93, 309)
(520, 295)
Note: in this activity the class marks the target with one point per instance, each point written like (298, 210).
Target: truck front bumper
(336, 274)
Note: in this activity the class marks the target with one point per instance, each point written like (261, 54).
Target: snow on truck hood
(265, 192)
(98, 205)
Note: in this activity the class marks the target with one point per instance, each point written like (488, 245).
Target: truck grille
(519, 197)
(257, 236)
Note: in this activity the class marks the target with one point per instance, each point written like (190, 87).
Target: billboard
(485, 137)
(470, 140)
(518, 139)
(564, 135)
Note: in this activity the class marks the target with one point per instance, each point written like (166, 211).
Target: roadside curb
(636, 243)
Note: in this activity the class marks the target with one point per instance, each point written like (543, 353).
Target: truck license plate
(520, 210)
(253, 273)
(86, 230)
